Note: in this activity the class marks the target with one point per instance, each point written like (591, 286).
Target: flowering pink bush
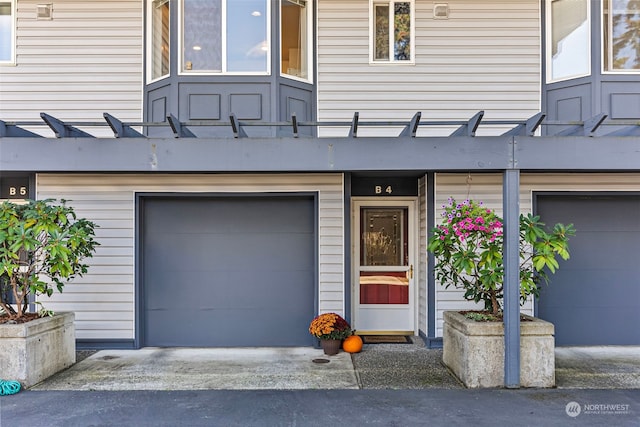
(468, 249)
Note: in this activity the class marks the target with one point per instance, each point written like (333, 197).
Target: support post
(511, 259)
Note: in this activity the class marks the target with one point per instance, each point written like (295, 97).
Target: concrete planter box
(33, 351)
(474, 351)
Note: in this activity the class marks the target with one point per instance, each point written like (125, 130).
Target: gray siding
(613, 93)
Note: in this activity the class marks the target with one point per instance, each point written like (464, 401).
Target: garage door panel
(594, 298)
(583, 325)
(227, 288)
(224, 279)
(593, 209)
(229, 215)
(206, 327)
(585, 253)
(182, 252)
(593, 286)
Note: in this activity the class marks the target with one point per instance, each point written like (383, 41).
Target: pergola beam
(120, 130)
(528, 128)
(63, 130)
(15, 131)
(353, 131)
(179, 130)
(469, 128)
(294, 125)
(412, 128)
(236, 127)
(587, 128)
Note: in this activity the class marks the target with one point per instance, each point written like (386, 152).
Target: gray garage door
(594, 299)
(228, 271)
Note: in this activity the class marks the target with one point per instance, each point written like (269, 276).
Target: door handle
(410, 272)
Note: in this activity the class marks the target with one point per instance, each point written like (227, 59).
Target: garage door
(594, 299)
(228, 271)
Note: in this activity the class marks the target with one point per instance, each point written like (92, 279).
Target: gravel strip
(402, 366)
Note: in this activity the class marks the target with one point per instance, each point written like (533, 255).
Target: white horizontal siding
(486, 56)
(104, 299)
(85, 61)
(488, 189)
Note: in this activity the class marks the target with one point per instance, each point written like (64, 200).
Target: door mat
(386, 339)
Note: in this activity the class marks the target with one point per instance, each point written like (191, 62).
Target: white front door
(384, 262)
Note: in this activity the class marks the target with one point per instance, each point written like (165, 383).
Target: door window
(384, 243)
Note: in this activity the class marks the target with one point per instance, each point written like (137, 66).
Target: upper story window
(621, 31)
(392, 31)
(224, 36)
(568, 39)
(7, 32)
(295, 35)
(159, 37)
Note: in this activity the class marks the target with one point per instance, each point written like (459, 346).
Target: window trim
(372, 41)
(223, 37)
(14, 29)
(149, 44)
(310, 38)
(549, 49)
(606, 39)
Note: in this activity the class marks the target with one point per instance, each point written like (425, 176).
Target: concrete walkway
(378, 366)
(602, 367)
(207, 369)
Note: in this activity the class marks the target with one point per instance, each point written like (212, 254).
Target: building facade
(251, 163)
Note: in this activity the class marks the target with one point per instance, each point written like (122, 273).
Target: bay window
(224, 36)
(295, 34)
(159, 39)
(621, 31)
(568, 39)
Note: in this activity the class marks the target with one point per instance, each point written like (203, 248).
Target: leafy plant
(42, 244)
(468, 250)
(330, 326)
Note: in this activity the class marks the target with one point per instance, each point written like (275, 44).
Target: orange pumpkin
(352, 344)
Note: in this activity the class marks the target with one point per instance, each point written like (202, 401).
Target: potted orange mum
(330, 329)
